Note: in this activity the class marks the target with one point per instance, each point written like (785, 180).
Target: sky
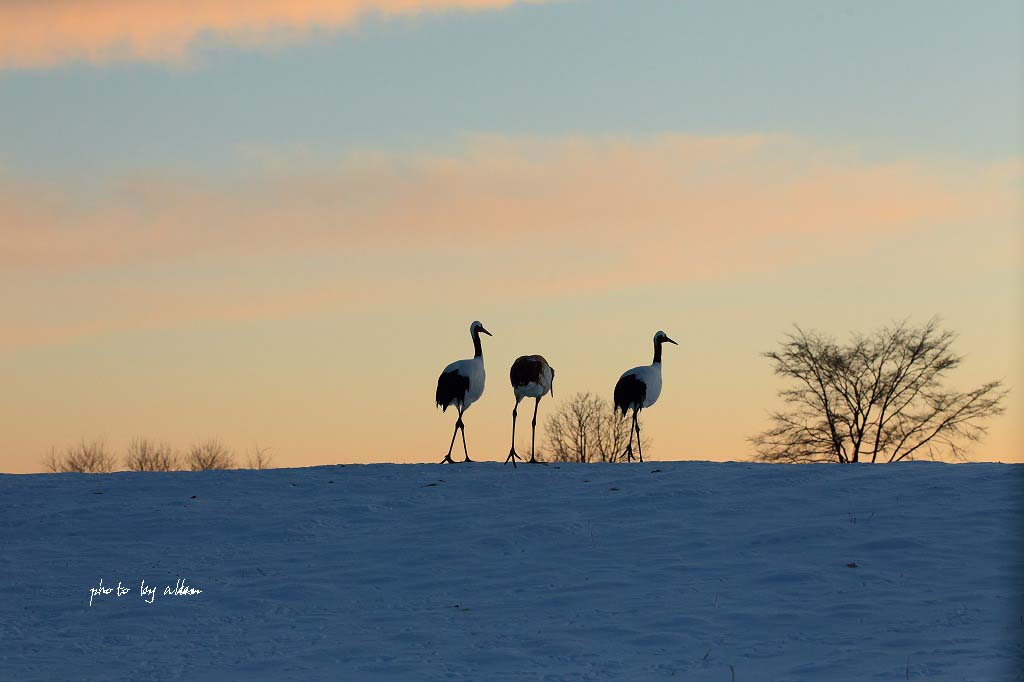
(272, 222)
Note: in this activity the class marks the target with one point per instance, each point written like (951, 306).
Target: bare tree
(259, 458)
(612, 434)
(210, 454)
(146, 455)
(570, 427)
(880, 397)
(586, 428)
(90, 457)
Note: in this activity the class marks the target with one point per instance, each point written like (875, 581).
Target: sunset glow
(283, 243)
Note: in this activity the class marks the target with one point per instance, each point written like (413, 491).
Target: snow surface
(664, 570)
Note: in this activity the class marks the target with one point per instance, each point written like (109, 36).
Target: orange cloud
(555, 216)
(40, 33)
(627, 198)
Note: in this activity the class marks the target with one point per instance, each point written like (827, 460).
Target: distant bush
(259, 458)
(210, 454)
(89, 457)
(586, 428)
(146, 455)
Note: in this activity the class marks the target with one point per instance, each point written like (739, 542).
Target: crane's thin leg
(628, 454)
(533, 435)
(512, 453)
(636, 423)
(464, 448)
(448, 458)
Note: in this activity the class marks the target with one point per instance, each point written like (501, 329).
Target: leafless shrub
(879, 397)
(209, 454)
(90, 457)
(259, 458)
(146, 455)
(586, 428)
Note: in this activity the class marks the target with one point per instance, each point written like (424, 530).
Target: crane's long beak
(552, 387)
(668, 340)
(484, 331)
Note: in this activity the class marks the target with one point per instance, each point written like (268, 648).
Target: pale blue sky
(189, 250)
(892, 79)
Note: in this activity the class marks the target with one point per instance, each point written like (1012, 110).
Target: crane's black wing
(451, 389)
(630, 393)
(527, 369)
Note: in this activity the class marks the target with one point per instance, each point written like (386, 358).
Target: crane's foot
(628, 454)
(534, 460)
(467, 459)
(512, 457)
(448, 459)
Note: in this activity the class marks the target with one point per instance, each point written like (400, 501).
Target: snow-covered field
(666, 570)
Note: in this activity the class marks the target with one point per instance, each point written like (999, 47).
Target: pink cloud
(578, 215)
(41, 33)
